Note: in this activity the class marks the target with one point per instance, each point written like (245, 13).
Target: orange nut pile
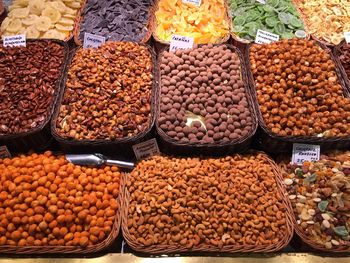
(46, 201)
(186, 202)
(298, 90)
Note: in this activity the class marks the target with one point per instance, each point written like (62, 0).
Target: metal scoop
(96, 160)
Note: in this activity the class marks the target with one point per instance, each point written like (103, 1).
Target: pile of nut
(108, 93)
(29, 77)
(320, 195)
(46, 201)
(344, 57)
(217, 202)
(298, 89)
(203, 97)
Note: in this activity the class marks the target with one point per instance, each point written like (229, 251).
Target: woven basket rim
(30, 250)
(337, 52)
(55, 96)
(245, 41)
(220, 40)
(249, 98)
(305, 238)
(295, 139)
(103, 142)
(167, 249)
(80, 20)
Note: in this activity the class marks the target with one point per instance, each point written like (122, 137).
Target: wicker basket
(273, 143)
(40, 137)
(173, 146)
(301, 233)
(75, 20)
(337, 52)
(119, 147)
(167, 249)
(80, 19)
(30, 250)
(224, 39)
(241, 42)
(297, 3)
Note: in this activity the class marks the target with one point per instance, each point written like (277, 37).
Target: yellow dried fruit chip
(30, 20)
(43, 23)
(53, 33)
(32, 32)
(51, 13)
(63, 27)
(66, 22)
(36, 6)
(14, 25)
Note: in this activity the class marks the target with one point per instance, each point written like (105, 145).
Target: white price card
(347, 37)
(305, 153)
(93, 41)
(264, 37)
(4, 152)
(15, 41)
(146, 149)
(261, 1)
(180, 42)
(194, 2)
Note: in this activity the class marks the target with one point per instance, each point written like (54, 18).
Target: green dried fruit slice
(279, 28)
(239, 21)
(295, 22)
(284, 18)
(271, 21)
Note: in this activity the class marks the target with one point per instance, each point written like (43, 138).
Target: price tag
(180, 42)
(146, 149)
(347, 37)
(94, 41)
(194, 2)
(264, 37)
(261, 1)
(305, 153)
(15, 41)
(4, 152)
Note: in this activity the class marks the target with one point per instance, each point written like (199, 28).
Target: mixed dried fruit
(29, 80)
(344, 56)
(46, 201)
(41, 18)
(108, 93)
(186, 202)
(203, 97)
(207, 23)
(320, 195)
(276, 16)
(326, 19)
(298, 89)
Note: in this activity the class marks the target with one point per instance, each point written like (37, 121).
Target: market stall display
(207, 23)
(42, 18)
(117, 20)
(108, 96)
(30, 79)
(48, 205)
(205, 103)
(231, 204)
(301, 96)
(279, 17)
(328, 20)
(320, 196)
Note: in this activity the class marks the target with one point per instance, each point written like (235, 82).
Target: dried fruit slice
(59, 6)
(74, 5)
(20, 12)
(66, 22)
(43, 23)
(36, 6)
(32, 32)
(5, 24)
(63, 27)
(53, 33)
(14, 25)
(71, 11)
(23, 3)
(51, 13)
(30, 20)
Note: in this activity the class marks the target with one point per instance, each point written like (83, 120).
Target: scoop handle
(122, 164)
